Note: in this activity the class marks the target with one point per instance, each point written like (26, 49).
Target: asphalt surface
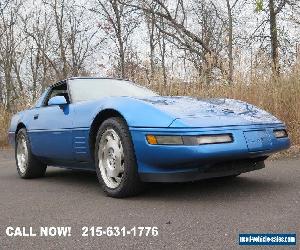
(201, 215)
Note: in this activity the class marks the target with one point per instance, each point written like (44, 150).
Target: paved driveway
(201, 215)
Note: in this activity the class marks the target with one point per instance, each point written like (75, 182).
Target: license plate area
(257, 140)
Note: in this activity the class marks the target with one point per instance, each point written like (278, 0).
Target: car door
(51, 128)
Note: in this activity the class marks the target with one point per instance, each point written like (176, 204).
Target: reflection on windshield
(92, 89)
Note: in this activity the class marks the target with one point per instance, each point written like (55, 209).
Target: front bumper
(210, 171)
(183, 160)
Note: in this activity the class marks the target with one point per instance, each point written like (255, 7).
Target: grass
(281, 97)
(4, 123)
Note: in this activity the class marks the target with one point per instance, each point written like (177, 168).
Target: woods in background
(148, 40)
(230, 48)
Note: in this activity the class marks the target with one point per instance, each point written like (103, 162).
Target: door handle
(36, 117)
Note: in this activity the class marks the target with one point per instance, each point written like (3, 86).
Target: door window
(60, 90)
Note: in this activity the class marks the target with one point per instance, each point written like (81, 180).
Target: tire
(115, 160)
(28, 166)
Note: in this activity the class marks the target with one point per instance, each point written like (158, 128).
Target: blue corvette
(130, 135)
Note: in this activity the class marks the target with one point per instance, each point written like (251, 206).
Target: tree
(69, 40)
(274, 38)
(152, 31)
(203, 45)
(230, 38)
(274, 8)
(10, 57)
(119, 24)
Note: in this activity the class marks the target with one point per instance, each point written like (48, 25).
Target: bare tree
(230, 37)
(150, 22)
(41, 69)
(63, 37)
(274, 38)
(179, 32)
(53, 39)
(119, 24)
(274, 8)
(9, 56)
(162, 48)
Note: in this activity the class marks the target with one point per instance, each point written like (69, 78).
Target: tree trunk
(8, 83)
(274, 40)
(1, 91)
(162, 45)
(122, 58)
(59, 19)
(230, 41)
(152, 45)
(163, 63)
(115, 7)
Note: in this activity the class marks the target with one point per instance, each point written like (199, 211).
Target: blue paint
(60, 135)
(163, 158)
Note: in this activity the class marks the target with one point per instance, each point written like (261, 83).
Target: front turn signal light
(151, 139)
(164, 140)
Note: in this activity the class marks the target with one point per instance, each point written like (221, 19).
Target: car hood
(194, 112)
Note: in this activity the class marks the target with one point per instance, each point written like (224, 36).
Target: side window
(60, 90)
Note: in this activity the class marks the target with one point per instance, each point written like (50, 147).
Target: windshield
(92, 89)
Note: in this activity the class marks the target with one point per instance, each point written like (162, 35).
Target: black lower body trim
(216, 170)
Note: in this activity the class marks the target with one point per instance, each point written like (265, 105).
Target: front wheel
(115, 159)
(28, 166)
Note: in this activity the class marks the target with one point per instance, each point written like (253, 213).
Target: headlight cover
(280, 133)
(212, 139)
(189, 140)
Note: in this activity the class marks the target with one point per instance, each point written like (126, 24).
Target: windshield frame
(69, 87)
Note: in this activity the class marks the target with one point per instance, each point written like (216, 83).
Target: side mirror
(57, 100)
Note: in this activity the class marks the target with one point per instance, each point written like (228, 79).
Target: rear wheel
(28, 166)
(115, 159)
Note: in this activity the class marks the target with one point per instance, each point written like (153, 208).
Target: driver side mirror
(57, 100)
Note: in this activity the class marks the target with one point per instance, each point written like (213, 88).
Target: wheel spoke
(118, 179)
(112, 172)
(111, 158)
(22, 153)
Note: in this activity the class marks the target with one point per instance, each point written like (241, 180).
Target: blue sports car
(130, 135)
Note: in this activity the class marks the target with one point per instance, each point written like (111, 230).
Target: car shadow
(212, 189)
(71, 175)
